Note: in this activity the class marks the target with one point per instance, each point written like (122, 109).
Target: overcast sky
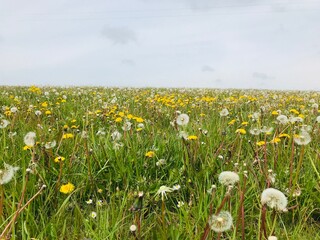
(265, 44)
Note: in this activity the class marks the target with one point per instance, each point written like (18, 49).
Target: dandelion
(255, 131)
(133, 228)
(67, 188)
(282, 119)
(303, 138)
(241, 131)
(221, 222)
(163, 191)
(192, 137)
(4, 123)
(50, 145)
(317, 120)
(126, 126)
(116, 136)
(7, 173)
(161, 162)
(29, 139)
(59, 159)
(224, 112)
(228, 178)
(274, 198)
(272, 238)
(261, 143)
(150, 154)
(183, 134)
(182, 119)
(37, 113)
(67, 135)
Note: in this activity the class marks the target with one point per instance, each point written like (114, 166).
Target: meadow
(101, 163)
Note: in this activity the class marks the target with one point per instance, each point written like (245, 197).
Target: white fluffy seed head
(228, 178)
(7, 173)
(272, 238)
(182, 119)
(29, 139)
(274, 198)
(221, 222)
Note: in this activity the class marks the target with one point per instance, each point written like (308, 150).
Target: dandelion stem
(291, 164)
(298, 167)
(18, 212)
(1, 200)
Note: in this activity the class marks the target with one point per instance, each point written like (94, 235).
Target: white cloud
(207, 68)
(119, 35)
(128, 62)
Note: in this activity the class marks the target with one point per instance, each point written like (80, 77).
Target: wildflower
(180, 204)
(284, 135)
(275, 113)
(192, 137)
(244, 123)
(99, 203)
(317, 120)
(48, 112)
(282, 119)
(228, 178)
(161, 162)
(211, 189)
(266, 130)
(29, 139)
(176, 187)
(140, 125)
(7, 173)
(67, 135)
(182, 119)
(183, 134)
(116, 136)
(89, 201)
(221, 222)
(49, 145)
(255, 131)
(303, 138)
(232, 122)
(224, 112)
(133, 228)
(261, 143)
(274, 199)
(59, 159)
(272, 238)
(275, 140)
(67, 188)
(118, 119)
(126, 126)
(163, 191)
(241, 131)
(93, 215)
(4, 123)
(150, 154)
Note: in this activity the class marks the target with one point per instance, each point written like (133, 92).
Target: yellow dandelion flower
(73, 120)
(44, 104)
(67, 135)
(192, 137)
(139, 120)
(67, 188)
(284, 135)
(301, 115)
(241, 131)
(48, 112)
(59, 159)
(232, 122)
(129, 116)
(118, 119)
(121, 114)
(150, 154)
(275, 113)
(275, 140)
(261, 143)
(27, 147)
(294, 111)
(244, 123)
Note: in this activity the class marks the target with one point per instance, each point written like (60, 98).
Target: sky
(259, 44)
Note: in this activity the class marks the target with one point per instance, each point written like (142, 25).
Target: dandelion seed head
(228, 178)
(7, 173)
(221, 222)
(182, 119)
(274, 198)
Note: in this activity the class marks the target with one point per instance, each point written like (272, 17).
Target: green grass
(113, 172)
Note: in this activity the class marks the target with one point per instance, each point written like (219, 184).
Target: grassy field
(96, 163)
